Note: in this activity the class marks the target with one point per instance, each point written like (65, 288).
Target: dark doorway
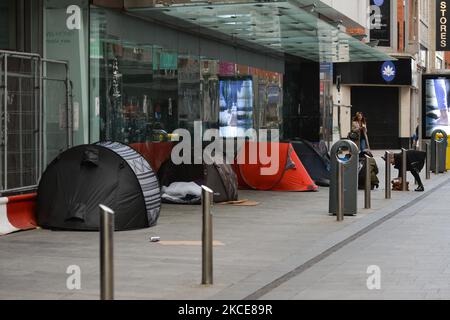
(380, 106)
(301, 108)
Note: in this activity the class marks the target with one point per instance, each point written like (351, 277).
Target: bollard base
(345, 215)
(206, 285)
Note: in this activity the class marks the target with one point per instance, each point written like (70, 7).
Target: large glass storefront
(141, 90)
(136, 80)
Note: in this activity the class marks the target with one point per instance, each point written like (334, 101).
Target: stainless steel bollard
(436, 158)
(340, 192)
(404, 164)
(428, 161)
(106, 253)
(368, 185)
(207, 236)
(387, 183)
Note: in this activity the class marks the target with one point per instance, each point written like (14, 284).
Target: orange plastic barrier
(17, 213)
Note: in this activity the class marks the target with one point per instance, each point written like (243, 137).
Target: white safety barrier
(17, 213)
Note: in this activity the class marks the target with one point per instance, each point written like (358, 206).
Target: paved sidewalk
(412, 251)
(256, 246)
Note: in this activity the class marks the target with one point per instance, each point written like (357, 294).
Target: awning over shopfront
(278, 27)
(373, 73)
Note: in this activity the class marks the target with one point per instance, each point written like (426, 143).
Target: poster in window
(236, 106)
(436, 104)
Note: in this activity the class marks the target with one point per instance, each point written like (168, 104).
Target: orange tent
(156, 153)
(282, 173)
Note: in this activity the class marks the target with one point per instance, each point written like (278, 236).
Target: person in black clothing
(415, 161)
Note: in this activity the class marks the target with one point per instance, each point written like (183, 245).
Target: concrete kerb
(257, 285)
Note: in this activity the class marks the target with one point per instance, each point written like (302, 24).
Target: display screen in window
(436, 107)
(236, 106)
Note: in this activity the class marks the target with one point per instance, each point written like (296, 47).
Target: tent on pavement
(108, 173)
(289, 174)
(218, 176)
(317, 165)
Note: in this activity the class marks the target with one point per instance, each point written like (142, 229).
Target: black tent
(108, 173)
(218, 176)
(317, 165)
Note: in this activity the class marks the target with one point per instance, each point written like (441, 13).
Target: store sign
(442, 25)
(388, 71)
(227, 68)
(393, 73)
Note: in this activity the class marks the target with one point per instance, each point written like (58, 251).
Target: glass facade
(141, 91)
(135, 75)
(134, 80)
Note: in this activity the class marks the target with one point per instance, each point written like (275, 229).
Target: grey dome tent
(218, 176)
(108, 173)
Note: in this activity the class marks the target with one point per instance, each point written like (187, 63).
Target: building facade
(135, 70)
(404, 29)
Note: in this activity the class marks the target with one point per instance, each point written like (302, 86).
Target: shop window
(142, 92)
(439, 63)
(139, 88)
(424, 57)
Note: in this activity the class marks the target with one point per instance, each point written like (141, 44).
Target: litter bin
(439, 140)
(346, 152)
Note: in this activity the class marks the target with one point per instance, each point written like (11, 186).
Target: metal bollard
(428, 161)
(106, 253)
(368, 185)
(436, 158)
(387, 183)
(404, 164)
(207, 236)
(340, 193)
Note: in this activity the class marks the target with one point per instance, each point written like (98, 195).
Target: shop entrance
(380, 106)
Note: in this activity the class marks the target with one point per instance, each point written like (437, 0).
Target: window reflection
(142, 92)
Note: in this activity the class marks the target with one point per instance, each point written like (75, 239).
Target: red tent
(287, 174)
